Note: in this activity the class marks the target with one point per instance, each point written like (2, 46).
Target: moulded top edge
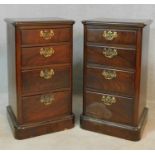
(118, 22)
(38, 21)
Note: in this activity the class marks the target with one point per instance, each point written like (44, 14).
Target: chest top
(117, 22)
(38, 21)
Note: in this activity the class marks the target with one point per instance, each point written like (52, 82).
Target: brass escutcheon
(109, 35)
(46, 73)
(46, 99)
(109, 74)
(108, 100)
(46, 34)
(46, 51)
(110, 52)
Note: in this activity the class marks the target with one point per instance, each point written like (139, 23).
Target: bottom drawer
(46, 106)
(108, 107)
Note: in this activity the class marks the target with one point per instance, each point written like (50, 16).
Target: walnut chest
(115, 76)
(40, 76)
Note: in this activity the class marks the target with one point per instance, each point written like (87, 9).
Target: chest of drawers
(115, 76)
(40, 76)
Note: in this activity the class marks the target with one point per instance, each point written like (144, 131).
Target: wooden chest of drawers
(115, 76)
(40, 76)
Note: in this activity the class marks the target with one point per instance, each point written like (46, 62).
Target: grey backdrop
(78, 13)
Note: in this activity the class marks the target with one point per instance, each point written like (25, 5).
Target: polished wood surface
(128, 132)
(51, 21)
(11, 63)
(121, 111)
(31, 56)
(115, 67)
(37, 74)
(124, 58)
(34, 110)
(32, 82)
(126, 37)
(39, 128)
(119, 22)
(60, 35)
(144, 42)
(122, 84)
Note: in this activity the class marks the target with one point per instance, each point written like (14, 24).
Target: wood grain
(127, 118)
(121, 85)
(60, 35)
(125, 58)
(34, 110)
(27, 116)
(33, 83)
(31, 56)
(121, 111)
(126, 37)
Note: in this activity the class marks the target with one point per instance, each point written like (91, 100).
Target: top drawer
(111, 36)
(43, 36)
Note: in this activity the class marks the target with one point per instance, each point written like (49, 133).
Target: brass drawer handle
(46, 51)
(109, 74)
(110, 52)
(46, 34)
(47, 99)
(110, 35)
(46, 73)
(108, 100)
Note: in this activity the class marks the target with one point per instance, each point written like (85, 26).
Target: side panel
(11, 60)
(84, 68)
(144, 71)
(141, 72)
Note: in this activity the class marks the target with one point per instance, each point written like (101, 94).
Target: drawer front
(124, 58)
(108, 107)
(46, 106)
(38, 56)
(126, 37)
(110, 81)
(43, 36)
(47, 78)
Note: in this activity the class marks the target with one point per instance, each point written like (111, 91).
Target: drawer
(115, 57)
(110, 81)
(46, 106)
(46, 78)
(109, 107)
(46, 55)
(43, 36)
(112, 36)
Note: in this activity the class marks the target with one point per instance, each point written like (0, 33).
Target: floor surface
(75, 138)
